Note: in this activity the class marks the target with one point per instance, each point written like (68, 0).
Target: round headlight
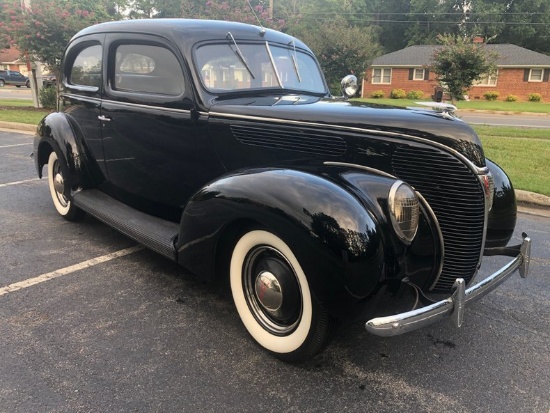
(404, 211)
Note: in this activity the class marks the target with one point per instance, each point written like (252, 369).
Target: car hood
(357, 116)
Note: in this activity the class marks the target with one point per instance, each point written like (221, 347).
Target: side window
(147, 69)
(86, 68)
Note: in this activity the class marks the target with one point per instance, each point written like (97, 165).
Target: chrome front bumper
(455, 305)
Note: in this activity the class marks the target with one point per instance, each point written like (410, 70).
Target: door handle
(104, 118)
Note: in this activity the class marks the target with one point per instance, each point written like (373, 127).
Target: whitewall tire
(273, 299)
(56, 182)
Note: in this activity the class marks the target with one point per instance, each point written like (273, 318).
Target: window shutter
(546, 75)
(426, 74)
(526, 75)
(411, 74)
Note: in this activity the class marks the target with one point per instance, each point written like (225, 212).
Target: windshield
(234, 66)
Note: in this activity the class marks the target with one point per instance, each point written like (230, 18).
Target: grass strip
(497, 106)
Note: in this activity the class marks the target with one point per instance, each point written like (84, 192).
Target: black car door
(148, 129)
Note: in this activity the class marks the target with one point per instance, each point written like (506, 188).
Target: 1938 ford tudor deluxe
(218, 145)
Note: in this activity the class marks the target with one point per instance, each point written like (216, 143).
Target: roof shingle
(509, 55)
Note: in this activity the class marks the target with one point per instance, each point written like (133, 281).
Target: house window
(536, 75)
(382, 76)
(418, 74)
(487, 80)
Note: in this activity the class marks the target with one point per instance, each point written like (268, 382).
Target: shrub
(511, 98)
(415, 94)
(377, 94)
(48, 97)
(534, 97)
(398, 94)
(492, 95)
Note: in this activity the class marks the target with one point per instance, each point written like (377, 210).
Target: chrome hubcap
(59, 184)
(268, 291)
(272, 290)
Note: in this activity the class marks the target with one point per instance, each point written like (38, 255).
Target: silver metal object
(269, 291)
(453, 306)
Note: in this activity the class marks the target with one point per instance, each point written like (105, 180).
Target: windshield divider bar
(274, 66)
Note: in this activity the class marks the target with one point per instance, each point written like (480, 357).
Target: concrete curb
(19, 126)
(523, 197)
(532, 198)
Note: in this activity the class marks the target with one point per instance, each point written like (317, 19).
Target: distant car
(13, 77)
(49, 80)
(219, 146)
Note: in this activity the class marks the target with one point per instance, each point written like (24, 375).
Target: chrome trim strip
(476, 169)
(365, 168)
(139, 105)
(81, 97)
(439, 233)
(454, 305)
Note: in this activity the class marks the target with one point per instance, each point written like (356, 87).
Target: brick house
(11, 59)
(520, 72)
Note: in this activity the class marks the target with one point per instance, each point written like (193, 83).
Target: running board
(155, 233)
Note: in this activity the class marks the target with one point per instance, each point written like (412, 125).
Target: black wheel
(17, 85)
(28, 84)
(272, 296)
(58, 190)
(2, 83)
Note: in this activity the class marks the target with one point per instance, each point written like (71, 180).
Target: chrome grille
(456, 197)
(292, 139)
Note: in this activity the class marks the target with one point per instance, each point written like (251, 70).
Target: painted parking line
(67, 270)
(19, 182)
(14, 145)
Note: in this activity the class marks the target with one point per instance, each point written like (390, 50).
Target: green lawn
(21, 111)
(535, 107)
(523, 153)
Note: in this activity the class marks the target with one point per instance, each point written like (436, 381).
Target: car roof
(192, 30)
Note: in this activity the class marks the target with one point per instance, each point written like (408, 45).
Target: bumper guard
(455, 305)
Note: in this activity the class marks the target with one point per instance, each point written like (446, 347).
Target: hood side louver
(290, 139)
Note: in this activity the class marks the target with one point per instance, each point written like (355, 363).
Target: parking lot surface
(92, 322)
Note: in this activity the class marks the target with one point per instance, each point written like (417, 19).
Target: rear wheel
(272, 296)
(2, 83)
(58, 190)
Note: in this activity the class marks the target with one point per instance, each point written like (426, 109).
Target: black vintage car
(218, 145)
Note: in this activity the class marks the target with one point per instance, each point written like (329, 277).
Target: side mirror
(349, 86)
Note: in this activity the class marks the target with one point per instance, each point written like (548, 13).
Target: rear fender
(55, 133)
(334, 236)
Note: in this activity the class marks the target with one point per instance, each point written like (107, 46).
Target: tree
(44, 31)
(460, 62)
(341, 49)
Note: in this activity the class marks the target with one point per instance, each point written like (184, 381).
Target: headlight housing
(404, 211)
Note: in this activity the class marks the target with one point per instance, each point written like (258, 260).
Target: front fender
(334, 236)
(503, 214)
(55, 133)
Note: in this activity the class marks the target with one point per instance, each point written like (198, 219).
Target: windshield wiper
(240, 55)
(295, 61)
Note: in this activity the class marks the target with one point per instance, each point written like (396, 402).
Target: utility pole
(34, 69)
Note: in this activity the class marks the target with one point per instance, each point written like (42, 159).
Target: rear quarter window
(147, 69)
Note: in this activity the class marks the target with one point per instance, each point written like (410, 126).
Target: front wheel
(58, 190)
(2, 83)
(273, 299)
